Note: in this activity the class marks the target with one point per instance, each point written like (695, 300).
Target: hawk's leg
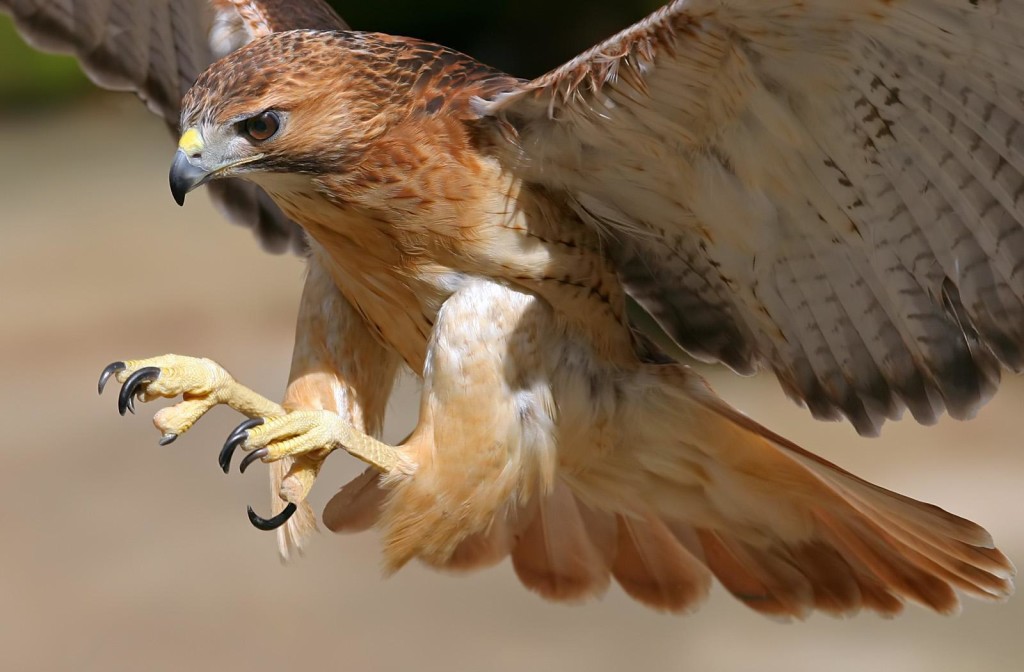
(484, 445)
(305, 438)
(202, 384)
(337, 367)
(311, 435)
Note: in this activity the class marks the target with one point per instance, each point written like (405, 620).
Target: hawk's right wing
(157, 48)
(832, 190)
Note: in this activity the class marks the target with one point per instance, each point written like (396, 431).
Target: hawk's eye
(263, 126)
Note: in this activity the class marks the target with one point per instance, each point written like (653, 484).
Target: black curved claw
(267, 524)
(167, 439)
(235, 439)
(111, 369)
(252, 457)
(126, 398)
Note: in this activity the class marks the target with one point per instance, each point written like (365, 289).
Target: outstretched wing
(157, 48)
(828, 188)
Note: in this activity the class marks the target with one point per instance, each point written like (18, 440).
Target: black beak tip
(184, 177)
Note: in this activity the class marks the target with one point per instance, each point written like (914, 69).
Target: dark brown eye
(263, 126)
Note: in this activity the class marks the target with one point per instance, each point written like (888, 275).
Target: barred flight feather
(796, 182)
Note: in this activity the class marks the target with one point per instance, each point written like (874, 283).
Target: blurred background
(121, 555)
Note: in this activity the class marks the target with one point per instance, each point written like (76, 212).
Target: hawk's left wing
(832, 189)
(157, 48)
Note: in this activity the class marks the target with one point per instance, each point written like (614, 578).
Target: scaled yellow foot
(306, 437)
(202, 384)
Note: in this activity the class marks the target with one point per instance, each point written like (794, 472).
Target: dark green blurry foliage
(524, 38)
(29, 78)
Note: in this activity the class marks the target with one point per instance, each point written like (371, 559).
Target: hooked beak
(185, 177)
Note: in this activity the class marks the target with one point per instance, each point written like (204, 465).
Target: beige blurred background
(118, 554)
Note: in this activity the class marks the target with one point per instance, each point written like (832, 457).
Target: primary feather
(827, 189)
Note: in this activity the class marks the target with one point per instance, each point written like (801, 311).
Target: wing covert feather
(832, 189)
(157, 49)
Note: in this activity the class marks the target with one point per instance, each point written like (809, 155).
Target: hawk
(827, 190)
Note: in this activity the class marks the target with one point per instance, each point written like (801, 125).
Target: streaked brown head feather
(340, 90)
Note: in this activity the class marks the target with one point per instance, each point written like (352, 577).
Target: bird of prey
(830, 190)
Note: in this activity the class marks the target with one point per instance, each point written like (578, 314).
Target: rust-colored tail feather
(356, 507)
(564, 554)
(654, 568)
(783, 530)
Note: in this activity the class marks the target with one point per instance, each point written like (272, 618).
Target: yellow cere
(191, 142)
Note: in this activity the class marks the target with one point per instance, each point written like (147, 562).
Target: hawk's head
(284, 104)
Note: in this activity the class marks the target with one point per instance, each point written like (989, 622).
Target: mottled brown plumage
(737, 169)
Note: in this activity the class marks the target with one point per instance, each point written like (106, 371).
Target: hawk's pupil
(262, 126)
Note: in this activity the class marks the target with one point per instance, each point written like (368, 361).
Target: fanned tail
(714, 494)
(787, 532)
